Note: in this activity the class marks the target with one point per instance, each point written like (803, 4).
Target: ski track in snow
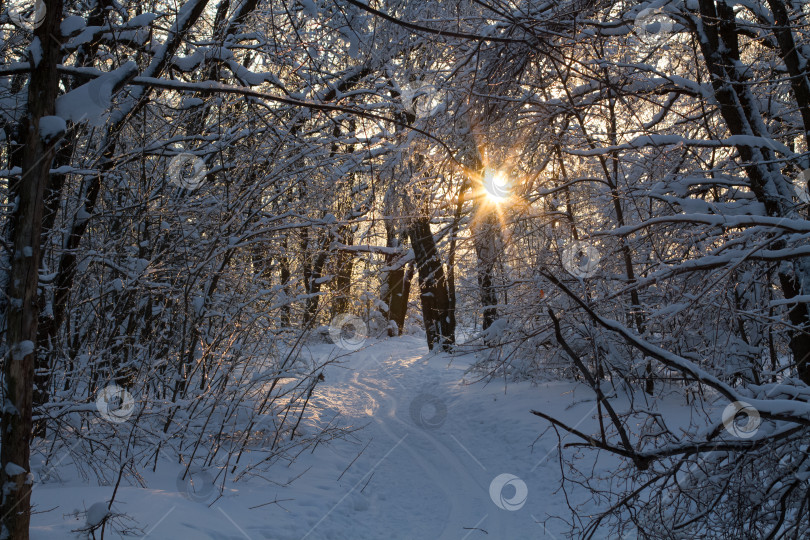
(412, 481)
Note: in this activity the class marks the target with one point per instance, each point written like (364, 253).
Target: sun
(496, 185)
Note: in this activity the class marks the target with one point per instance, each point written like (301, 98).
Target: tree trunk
(432, 286)
(313, 272)
(451, 252)
(718, 35)
(397, 284)
(487, 238)
(344, 261)
(39, 142)
(284, 277)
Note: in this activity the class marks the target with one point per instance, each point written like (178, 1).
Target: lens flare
(496, 185)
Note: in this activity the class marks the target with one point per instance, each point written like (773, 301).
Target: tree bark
(718, 35)
(487, 240)
(344, 261)
(313, 272)
(284, 278)
(433, 290)
(397, 284)
(28, 194)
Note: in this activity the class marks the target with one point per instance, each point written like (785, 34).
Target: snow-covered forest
(417, 269)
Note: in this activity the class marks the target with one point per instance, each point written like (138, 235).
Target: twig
(268, 503)
(367, 481)
(355, 459)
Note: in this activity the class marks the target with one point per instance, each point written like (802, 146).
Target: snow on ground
(437, 458)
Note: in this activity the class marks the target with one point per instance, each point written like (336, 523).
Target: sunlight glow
(496, 185)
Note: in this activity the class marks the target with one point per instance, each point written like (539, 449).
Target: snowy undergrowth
(427, 463)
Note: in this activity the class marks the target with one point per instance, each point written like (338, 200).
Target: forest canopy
(611, 192)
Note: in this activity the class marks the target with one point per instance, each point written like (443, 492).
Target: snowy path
(421, 467)
(437, 444)
(434, 459)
